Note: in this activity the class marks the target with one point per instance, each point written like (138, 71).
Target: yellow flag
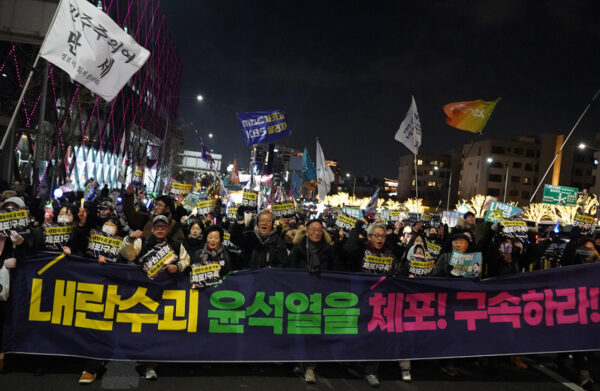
(470, 116)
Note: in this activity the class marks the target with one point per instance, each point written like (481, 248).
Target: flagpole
(563, 145)
(25, 87)
(416, 187)
(14, 114)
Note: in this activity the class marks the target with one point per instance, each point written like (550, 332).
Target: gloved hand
(247, 218)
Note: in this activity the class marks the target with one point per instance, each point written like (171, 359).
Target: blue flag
(296, 184)
(309, 173)
(371, 207)
(263, 127)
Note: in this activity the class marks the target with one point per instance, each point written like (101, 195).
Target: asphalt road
(63, 374)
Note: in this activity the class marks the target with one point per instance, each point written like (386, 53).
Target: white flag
(324, 174)
(409, 132)
(88, 45)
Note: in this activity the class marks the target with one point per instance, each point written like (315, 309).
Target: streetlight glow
(199, 98)
(210, 135)
(581, 146)
(436, 168)
(489, 160)
(347, 175)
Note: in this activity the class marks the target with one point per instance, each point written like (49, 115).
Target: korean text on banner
(88, 45)
(263, 127)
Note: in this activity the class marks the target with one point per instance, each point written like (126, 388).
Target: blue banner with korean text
(79, 307)
(263, 127)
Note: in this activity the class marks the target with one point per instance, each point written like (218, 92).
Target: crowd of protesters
(258, 240)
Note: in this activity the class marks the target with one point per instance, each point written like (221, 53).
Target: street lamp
(347, 175)
(199, 98)
(583, 146)
(210, 135)
(436, 168)
(490, 160)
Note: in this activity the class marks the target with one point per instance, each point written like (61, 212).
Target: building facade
(436, 178)
(511, 170)
(272, 158)
(69, 123)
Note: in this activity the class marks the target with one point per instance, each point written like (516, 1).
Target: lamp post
(506, 182)
(198, 98)
(584, 146)
(348, 175)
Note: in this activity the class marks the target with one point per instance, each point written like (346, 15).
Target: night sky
(344, 71)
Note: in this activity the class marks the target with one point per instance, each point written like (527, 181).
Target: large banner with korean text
(78, 307)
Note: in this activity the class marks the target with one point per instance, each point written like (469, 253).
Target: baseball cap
(162, 218)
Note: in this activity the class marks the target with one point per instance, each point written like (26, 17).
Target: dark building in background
(437, 178)
(78, 134)
(275, 158)
(512, 169)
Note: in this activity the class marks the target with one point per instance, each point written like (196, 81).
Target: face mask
(64, 219)
(109, 230)
(434, 237)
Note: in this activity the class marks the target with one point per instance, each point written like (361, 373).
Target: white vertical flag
(324, 174)
(409, 132)
(88, 45)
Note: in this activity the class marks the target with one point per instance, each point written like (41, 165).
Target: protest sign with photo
(499, 211)
(466, 265)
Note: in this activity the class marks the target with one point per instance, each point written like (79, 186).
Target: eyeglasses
(315, 230)
(378, 236)
(160, 226)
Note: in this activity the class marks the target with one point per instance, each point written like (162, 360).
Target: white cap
(14, 200)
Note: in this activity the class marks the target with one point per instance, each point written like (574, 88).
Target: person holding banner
(461, 243)
(195, 237)
(106, 211)
(211, 263)
(87, 218)
(372, 257)
(580, 250)
(137, 248)
(9, 240)
(156, 253)
(263, 245)
(313, 249)
(105, 244)
(55, 235)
